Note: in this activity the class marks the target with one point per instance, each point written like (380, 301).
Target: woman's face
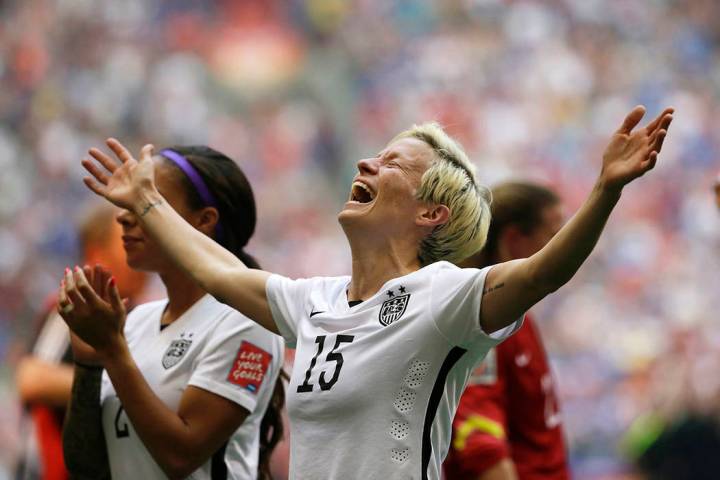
(383, 194)
(141, 251)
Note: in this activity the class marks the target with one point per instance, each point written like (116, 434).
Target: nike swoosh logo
(312, 314)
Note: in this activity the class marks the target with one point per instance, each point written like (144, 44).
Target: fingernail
(112, 281)
(67, 270)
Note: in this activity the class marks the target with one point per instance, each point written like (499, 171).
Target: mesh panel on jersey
(399, 454)
(416, 374)
(399, 430)
(405, 400)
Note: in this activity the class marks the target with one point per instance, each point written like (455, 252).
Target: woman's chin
(349, 216)
(137, 263)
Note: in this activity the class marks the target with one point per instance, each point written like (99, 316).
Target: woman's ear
(432, 216)
(207, 218)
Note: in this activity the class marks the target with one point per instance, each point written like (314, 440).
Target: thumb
(146, 152)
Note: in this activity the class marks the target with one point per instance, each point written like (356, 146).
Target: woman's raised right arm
(131, 185)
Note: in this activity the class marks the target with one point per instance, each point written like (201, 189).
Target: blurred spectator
(508, 424)
(297, 90)
(44, 376)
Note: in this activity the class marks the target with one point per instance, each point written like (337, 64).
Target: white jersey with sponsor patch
(375, 385)
(212, 347)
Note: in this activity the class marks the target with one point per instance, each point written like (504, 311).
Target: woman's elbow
(179, 465)
(179, 468)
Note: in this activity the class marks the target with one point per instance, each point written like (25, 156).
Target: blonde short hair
(450, 181)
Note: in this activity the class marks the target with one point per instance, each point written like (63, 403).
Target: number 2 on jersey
(121, 431)
(332, 356)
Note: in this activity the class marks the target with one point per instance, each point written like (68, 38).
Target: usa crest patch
(250, 366)
(393, 308)
(176, 351)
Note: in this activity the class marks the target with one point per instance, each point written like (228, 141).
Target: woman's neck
(182, 294)
(372, 268)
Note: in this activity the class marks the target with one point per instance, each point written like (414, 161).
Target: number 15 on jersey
(332, 356)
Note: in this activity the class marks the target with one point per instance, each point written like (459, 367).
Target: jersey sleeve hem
(235, 394)
(497, 336)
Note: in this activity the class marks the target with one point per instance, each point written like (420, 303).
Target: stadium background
(297, 91)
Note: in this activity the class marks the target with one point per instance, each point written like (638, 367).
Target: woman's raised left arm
(511, 288)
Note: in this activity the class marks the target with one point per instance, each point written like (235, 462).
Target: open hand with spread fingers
(90, 304)
(122, 183)
(632, 153)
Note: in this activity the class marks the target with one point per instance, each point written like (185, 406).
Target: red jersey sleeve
(509, 409)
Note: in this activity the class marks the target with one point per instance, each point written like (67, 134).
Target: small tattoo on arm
(149, 206)
(493, 288)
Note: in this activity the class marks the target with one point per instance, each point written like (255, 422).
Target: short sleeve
(455, 298)
(287, 299)
(240, 362)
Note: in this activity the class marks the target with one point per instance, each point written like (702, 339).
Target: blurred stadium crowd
(298, 90)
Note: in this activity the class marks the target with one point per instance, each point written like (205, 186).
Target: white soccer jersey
(375, 386)
(213, 347)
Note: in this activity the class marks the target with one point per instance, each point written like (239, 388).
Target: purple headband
(197, 181)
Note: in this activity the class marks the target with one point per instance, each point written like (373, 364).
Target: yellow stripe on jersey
(477, 423)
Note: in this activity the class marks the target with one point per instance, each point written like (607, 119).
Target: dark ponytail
(231, 192)
(234, 199)
(272, 428)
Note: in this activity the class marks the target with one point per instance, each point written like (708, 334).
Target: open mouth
(361, 193)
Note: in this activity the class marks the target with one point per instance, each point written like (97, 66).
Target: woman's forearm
(560, 259)
(83, 439)
(200, 256)
(631, 153)
(46, 383)
(218, 271)
(161, 430)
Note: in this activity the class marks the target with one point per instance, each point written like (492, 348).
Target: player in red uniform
(508, 424)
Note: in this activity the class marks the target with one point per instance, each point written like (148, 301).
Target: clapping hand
(90, 304)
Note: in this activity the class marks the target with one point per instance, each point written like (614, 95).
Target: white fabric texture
(202, 348)
(361, 399)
